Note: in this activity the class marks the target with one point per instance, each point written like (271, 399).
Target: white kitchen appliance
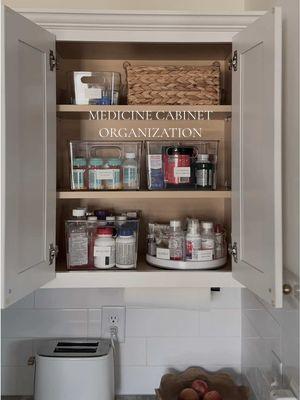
(75, 370)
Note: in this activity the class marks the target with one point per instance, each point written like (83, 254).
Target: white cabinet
(256, 158)
(28, 145)
(29, 165)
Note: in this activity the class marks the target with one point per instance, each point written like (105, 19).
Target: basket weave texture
(173, 84)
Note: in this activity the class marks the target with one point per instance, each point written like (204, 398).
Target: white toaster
(75, 370)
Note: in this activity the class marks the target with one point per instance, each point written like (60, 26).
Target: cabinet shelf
(144, 276)
(151, 108)
(146, 194)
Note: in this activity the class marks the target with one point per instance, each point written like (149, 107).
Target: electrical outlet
(113, 317)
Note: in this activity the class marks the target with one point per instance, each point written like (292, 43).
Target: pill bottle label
(104, 256)
(163, 253)
(95, 180)
(207, 244)
(78, 179)
(78, 249)
(204, 177)
(125, 253)
(130, 175)
(192, 246)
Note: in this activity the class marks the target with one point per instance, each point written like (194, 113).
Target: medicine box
(100, 88)
(96, 165)
(182, 165)
(102, 244)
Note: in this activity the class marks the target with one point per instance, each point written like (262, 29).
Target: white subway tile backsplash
(197, 351)
(94, 323)
(161, 322)
(139, 380)
(15, 352)
(17, 381)
(157, 340)
(132, 352)
(79, 298)
(43, 323)
(220, 323)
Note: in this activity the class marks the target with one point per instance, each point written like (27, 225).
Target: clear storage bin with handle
(100, 88)
(99, 165)
(182, 165)
(101, 244)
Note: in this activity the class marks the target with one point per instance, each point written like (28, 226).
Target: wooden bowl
(172, 384)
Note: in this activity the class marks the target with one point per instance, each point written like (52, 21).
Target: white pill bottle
(125, 249)
(105, 249)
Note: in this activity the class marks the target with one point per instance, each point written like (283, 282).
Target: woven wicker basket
(177, 84)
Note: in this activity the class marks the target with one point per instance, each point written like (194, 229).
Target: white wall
(265, 330)
(197, 5)
(156, 339)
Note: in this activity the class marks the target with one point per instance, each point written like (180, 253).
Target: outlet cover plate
(113, 316)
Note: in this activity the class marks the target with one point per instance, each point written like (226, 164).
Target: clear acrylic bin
(100, 245)
(101, 88)
(182, 165)
(105, 165)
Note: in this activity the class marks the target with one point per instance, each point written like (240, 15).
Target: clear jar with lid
(113, 179)
(78, 175)
(207, 236)
(130, 172)
(95, 167)
(193, 240)
(176, 241)
(204, 171)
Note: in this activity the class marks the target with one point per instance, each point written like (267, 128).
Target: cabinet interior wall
(77, 126)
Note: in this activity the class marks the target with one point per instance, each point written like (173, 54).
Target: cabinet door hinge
(233, 63)
(53, 251)
(52, 60)
(233, 251)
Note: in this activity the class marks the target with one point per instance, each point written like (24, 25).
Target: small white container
(130, 172)
(193, 241)
(104, 249)
(126, 249)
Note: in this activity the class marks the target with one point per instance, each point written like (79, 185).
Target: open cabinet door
(256, 158)
(28, 156)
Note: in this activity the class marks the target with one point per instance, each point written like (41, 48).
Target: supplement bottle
(104, 249)
(78, 177)
(193, 240)
(113, 166)
(92, 223)
(125, 249)
(204, 172)
(151, 244)
(120, 220)
(78, 240)
(110, 220)
(94, 174)
(220, 243)
(208, 237)
(130, 172)
(176, 241)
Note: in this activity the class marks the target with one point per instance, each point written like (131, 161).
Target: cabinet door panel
(256, 158)
(29, 157)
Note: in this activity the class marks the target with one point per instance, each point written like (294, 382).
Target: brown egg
(188, 394)
(200, 387)
(212, 395)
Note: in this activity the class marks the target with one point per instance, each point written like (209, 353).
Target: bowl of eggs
(196, 383)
